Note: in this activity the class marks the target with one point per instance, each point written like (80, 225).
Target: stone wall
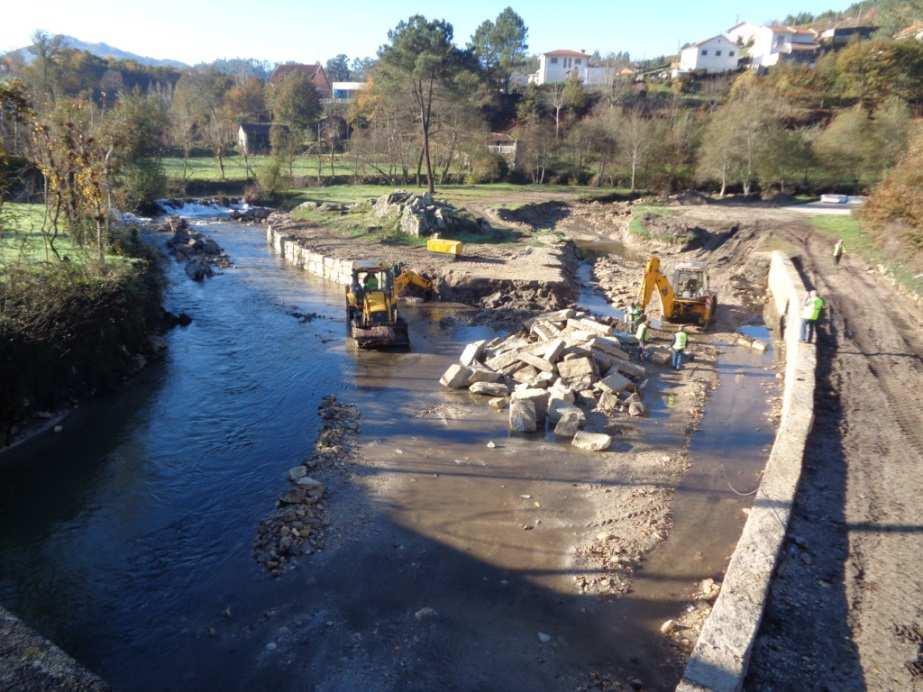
(30, 662)
(722, 652)
(337, 270)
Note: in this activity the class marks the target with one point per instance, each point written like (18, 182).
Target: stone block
(522, 416)
(539, 398)
(472, 352)
(456, 377)
(614, 382)
(554, 349)
(576, 368)
(536, 362)
(489, 389)
(592, 442)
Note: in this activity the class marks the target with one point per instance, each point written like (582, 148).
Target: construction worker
(635, 313)
(838, 252)
(642, 334)
(680, 339)
(810, 312)
(371, 282)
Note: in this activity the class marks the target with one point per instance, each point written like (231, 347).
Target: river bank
(68, 332)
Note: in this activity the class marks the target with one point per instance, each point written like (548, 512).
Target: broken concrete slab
(608, 345)
(523, 418)
(495, 389)
(525, 374)
(592, 442)
(456, 377)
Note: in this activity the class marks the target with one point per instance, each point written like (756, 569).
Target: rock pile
(198, 251)
(421, 215)
(565, 365)
(298, 523)
(251, 214)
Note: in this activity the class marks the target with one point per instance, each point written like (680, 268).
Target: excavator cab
(687, 298)
(371, 308)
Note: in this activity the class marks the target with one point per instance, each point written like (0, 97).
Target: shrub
(487, 168)
(271, 180)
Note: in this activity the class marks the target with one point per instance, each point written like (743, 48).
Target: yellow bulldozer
(371, 304)
(687, 298)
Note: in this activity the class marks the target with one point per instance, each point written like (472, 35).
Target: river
(126, 538)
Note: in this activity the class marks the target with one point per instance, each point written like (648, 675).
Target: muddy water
(127, 537)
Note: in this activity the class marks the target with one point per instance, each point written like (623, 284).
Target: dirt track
(847, 603)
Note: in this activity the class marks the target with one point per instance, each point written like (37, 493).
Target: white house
(557, 65)
(712, 56)
(776, 44)
(744, 33)
(345, 91)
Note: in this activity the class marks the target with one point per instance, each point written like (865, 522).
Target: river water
(126, 538)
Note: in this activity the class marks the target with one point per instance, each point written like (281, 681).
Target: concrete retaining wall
(722, 652)
(330, 268)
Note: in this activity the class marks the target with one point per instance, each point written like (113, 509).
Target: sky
(194, 31)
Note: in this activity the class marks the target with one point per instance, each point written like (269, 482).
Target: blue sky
(279, 30)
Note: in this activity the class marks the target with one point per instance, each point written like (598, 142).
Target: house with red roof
(315, 73)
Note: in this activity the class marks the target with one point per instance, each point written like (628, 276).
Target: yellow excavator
(371, 304)
(687, 298)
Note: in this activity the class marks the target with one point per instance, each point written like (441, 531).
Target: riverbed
(126, 538)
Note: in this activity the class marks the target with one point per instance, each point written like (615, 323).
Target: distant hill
(104, 50)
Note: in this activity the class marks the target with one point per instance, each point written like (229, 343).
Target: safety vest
(812, 308)
(679, 341)
(641, 334)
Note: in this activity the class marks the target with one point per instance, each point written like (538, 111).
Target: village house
(839, 36)
(253, 138)
(714, 55)
(505, 145)
(765, 46)
(315, 73)
(344, 92)
(558, 66)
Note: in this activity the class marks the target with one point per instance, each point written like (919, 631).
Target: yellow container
(445, 247)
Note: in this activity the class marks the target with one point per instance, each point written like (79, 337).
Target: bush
(271, 180)
(142, 183)
(898, 199)
(487, 168)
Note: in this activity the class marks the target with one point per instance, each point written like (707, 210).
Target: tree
(48, 51)
(871, 71)
(295, 102)
(898, 199)
(636, 137)
(337, 69)
(555, 95)
(421, 59)
(360, 68)
(500, 46)
(246, 100)
(184, 118)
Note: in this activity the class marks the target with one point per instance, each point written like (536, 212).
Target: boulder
(636, 408)
(569, 423)
(557, 409)
(576, 368)
(538, 397)
(614, 382)
(472, 352)
(592, 442)
(456, 377)
(481, 374)
(297, 472)
(495, 389)
(498, 403)
(554, 349)
(522, 416)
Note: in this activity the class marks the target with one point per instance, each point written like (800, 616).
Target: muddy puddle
(451, 561)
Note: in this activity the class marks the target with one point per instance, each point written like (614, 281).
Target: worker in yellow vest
(642, 334)
(680, 339)
(810, 312)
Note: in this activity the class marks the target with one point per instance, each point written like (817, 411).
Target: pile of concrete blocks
(551, 374)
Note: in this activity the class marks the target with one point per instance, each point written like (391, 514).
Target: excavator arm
(410, 278)
(653, 280)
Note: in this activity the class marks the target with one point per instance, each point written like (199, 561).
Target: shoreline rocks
(199, 252)
(298, 524)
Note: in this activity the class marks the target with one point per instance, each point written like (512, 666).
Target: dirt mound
(540, 215)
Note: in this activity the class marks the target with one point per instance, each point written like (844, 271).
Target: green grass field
(21, 239)
(636, 224)
(858, 241)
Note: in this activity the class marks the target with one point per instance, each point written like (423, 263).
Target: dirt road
(847, 604)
